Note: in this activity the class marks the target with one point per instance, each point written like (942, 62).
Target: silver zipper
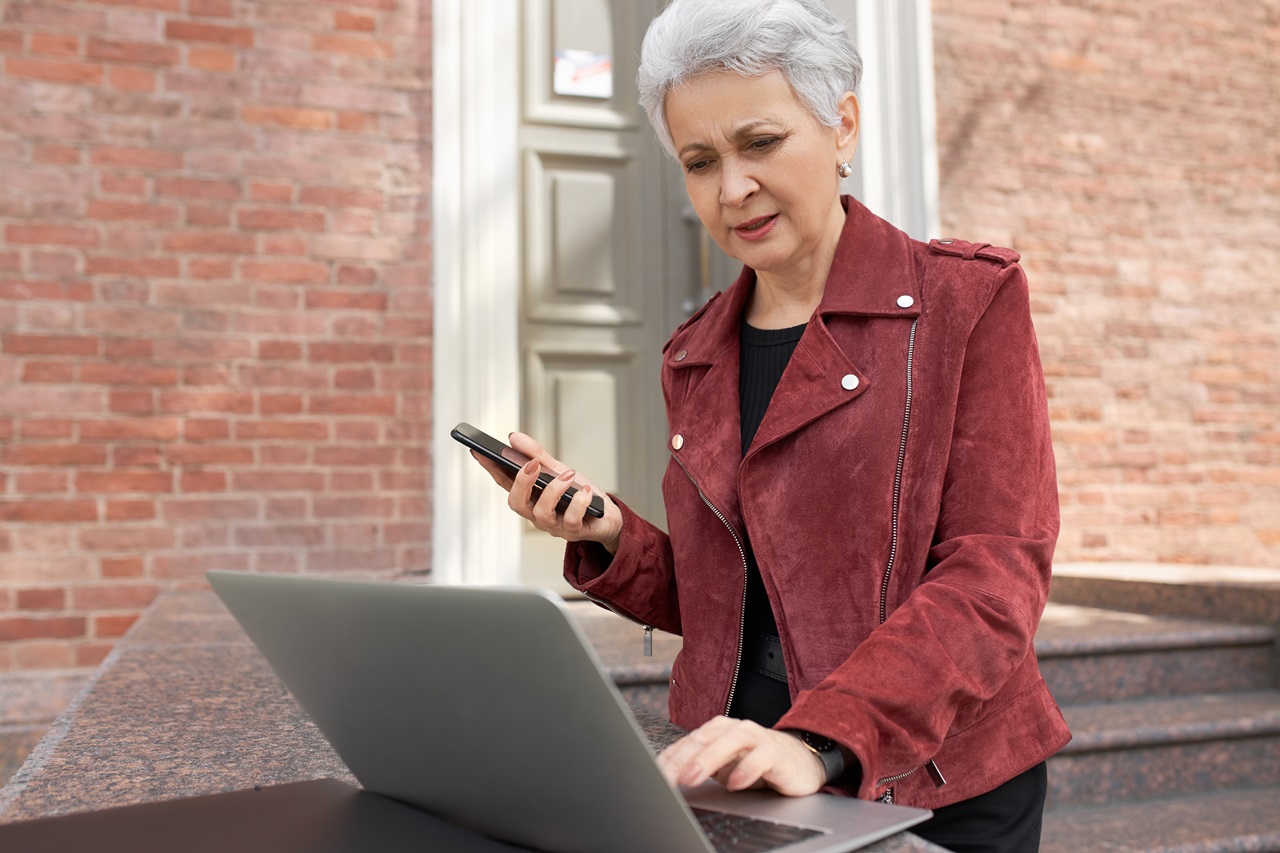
(648, 629)
(893, 542)
(742, 552)
(897, 479)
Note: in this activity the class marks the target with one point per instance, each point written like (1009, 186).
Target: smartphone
(513, 460)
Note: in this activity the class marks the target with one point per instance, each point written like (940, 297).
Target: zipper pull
(887, 796)
(648, 641)
(934, 773)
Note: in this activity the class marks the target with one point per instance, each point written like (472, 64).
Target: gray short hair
(801, 38)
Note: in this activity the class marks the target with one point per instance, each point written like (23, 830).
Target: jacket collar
(873, 269)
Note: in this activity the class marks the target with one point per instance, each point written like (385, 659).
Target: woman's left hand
(740, 754)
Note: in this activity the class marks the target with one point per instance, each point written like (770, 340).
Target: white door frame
(476, 233)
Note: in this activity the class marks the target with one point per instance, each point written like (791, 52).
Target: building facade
(217, 298)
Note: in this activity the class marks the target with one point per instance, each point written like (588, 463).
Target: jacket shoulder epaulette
(970, 251)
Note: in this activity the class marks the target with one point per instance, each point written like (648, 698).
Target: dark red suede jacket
(901, 500)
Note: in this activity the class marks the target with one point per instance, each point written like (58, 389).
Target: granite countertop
(185, 705)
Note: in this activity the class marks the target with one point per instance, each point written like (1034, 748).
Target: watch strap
(827, 750)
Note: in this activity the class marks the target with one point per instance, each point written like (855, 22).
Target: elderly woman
(861, 493)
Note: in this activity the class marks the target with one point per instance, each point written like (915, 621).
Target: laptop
(488, 708)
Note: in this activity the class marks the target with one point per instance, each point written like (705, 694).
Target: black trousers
(1006, 820)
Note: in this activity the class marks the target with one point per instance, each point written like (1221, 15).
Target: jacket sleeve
(968, 626)
(637, 582)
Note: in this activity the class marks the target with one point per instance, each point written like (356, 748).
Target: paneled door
(594, 200)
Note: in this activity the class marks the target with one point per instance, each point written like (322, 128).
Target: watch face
(818, 742)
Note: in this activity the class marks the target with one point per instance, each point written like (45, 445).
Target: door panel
(594, 309)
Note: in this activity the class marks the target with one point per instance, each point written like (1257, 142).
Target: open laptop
(487, 707)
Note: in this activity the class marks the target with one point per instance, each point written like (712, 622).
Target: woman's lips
(756, 228)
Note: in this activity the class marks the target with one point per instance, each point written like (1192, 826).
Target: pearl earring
(845, 169)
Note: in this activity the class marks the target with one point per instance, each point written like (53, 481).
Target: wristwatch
(827, 750)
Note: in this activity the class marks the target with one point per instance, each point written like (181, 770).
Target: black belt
(763, 654)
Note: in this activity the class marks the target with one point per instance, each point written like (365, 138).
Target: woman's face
(761, 171)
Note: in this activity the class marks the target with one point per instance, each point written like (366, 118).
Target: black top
(761, 694)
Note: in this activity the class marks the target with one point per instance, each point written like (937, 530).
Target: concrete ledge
(1237, 594)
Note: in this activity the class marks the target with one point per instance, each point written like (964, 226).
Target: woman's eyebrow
(738, 132)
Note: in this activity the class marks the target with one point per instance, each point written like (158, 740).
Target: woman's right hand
(573, 525)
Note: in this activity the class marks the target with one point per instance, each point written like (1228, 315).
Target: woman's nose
(736, 184)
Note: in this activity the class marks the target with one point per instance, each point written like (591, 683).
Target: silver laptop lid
(484, 706)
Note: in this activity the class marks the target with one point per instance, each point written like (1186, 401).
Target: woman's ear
(847, 130)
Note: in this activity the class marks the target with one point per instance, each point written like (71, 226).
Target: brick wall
(214, 302)
(1131, 152)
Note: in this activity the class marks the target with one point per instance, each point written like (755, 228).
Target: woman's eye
(764, 144)
(696, 166)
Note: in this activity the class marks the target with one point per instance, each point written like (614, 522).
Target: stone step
(1092, 655)
(1158, 748)
(1212, 822)
(29, 702)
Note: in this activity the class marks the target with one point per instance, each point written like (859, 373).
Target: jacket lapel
(873, 274)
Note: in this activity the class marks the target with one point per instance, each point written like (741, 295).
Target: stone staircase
(1176, 728)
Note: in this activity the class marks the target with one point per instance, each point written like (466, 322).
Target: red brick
(357, 122)
(207, 269)
(268, 192)
(277, 219)
(363, 276)
(347, 300)
(54, 454)
(352, 404)
(130, 429)
(212, 242)
(157, 159)
(42, 599)
(363, 47)
(349, 21)
(114, 626)
(50, 510)
(55, 71)
(130, 510)
(116, 596)
(202, 481)
(190, 31)
(195, 565)
(122, 183)
(132, 266)
(237, 402)
(137, 455)
(42, 428)
(280, 404)
(90, 654)
(286, 272)
(210, 8)
(279, 350)
(207, 509)
(119, 537)
(355, 456)
(282, 430)
(341, 197)
(32, 482)
(55, 44)
(91, 482)
(48, 371)
(132, 79)
(278, 481)
(132, 402)
(206, 429)
(53, 235)
(41, 628)
(297, 118)
(211, 59)
(336, 352)
(198, 188)
(133, 52)
(204, 454)
(128, 374)
(137, 348)
(122, 567)
(68, 291)
(208, 216)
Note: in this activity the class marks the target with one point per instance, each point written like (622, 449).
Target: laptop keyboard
(731, 833)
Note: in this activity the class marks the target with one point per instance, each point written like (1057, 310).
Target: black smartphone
(513, 460)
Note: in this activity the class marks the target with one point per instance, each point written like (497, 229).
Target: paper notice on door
(583, 74)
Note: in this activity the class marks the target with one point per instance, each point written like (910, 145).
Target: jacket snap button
(677, 441)
(680, 356)
(905, 301)
(849, 382)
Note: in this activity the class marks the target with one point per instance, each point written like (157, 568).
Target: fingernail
(568, 476)
(531, 466)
